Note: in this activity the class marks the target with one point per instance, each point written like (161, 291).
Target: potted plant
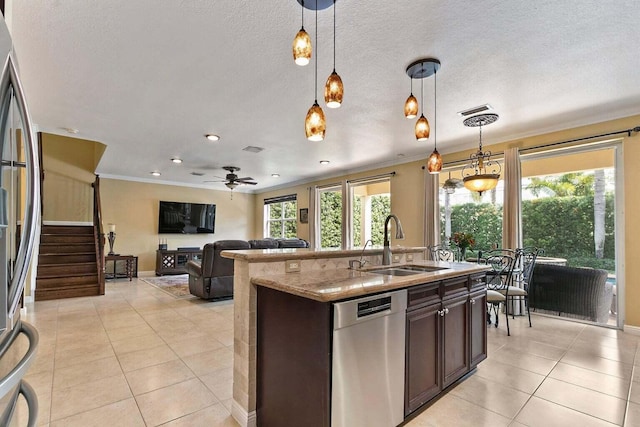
(463, 241)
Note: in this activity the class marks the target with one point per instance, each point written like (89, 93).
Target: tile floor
(139, 357)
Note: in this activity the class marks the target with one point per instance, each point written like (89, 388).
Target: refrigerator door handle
(14, 377)
(32, 204)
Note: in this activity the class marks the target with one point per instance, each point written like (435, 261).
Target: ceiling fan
(232, 180)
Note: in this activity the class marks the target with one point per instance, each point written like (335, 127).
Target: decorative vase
(463, 254)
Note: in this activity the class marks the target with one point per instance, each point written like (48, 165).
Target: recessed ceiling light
(176, 160)
(212, 137)
(275, 175)
(155, 173)
(71, 130)
(324, 162)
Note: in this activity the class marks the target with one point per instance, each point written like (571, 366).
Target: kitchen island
(322, 279)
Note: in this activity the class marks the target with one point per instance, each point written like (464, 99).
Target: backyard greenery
(331, 218)
(563, 226)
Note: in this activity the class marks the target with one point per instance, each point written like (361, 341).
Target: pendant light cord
(316, 93)
(334, 36)
(435, 108)
(422, 93)
(302, 14)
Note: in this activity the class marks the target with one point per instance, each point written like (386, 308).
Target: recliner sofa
(212, 277)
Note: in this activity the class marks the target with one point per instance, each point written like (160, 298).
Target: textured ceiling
(149, 78)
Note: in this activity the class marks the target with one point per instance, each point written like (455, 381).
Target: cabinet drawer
(423, 294)
(455, 286)
(477, 281)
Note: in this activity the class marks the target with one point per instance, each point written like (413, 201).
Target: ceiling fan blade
(241, 181)
(246, 178)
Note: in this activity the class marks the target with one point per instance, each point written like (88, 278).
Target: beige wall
(407, 198)
(407, 193)
(133, 207)
(68, 165)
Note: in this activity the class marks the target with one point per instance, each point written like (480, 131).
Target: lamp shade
(333, 91)
(411, 107)
(481, 182)
(422, 128)
(315, 125)
(434, 163)
(302, 48)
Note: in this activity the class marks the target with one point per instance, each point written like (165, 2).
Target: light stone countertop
(339, 284)
(269, 255)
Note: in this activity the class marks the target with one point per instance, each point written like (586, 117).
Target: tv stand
(175, 261)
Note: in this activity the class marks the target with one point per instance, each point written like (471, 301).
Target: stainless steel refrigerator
(19, 232)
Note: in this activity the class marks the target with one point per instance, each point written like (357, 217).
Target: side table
(130, 267)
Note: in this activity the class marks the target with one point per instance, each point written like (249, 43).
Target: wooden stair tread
(51, 254)
(63, 276)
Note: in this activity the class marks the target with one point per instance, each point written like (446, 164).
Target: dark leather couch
(580, 292)
(212, 278)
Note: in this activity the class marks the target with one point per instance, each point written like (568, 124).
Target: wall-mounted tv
(186, 218)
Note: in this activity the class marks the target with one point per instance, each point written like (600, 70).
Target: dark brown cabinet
(423, 379)
(455, 337)
(446, 336)
(175, 262)
(478, 333)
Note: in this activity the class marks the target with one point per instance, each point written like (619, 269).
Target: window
(280, 217)
(370, 205)
(331, 217)
(466, 211)
(351, 212)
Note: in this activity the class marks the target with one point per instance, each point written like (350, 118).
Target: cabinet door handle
(473, 301)
(441, 313)
(446, 311)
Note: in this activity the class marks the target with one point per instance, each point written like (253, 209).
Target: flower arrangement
(463, 240)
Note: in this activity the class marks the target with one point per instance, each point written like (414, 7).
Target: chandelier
(482, 174)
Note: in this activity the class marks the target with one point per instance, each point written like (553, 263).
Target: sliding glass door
(569, 208)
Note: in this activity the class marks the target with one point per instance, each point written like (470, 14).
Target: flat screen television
(186, 218)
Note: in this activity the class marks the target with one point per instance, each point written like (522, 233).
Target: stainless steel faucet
(386, 252)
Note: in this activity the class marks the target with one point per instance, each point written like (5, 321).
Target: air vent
(475, 110)
(197, 174)
(252, 149)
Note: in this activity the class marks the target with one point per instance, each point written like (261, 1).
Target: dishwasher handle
(368, 308)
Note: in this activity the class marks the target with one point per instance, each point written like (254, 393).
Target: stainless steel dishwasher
(367, 386)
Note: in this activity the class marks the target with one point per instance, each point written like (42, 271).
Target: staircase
(67, 264)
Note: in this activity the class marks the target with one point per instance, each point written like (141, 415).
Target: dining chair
(499, 279)
(518, 290)
(442, 253)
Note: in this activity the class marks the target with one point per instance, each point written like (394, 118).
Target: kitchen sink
(405, 270)
(394, 272)
(421, 268)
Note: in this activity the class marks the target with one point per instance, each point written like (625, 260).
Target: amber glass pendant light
(411, 105)
(302, 45)
(315, 125)
(420, 69)
(422, 125)
(434, 163)
(333, 89)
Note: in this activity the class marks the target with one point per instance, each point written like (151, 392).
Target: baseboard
(244, 418)
(633, 330)
(149, 273)
(75, 223)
